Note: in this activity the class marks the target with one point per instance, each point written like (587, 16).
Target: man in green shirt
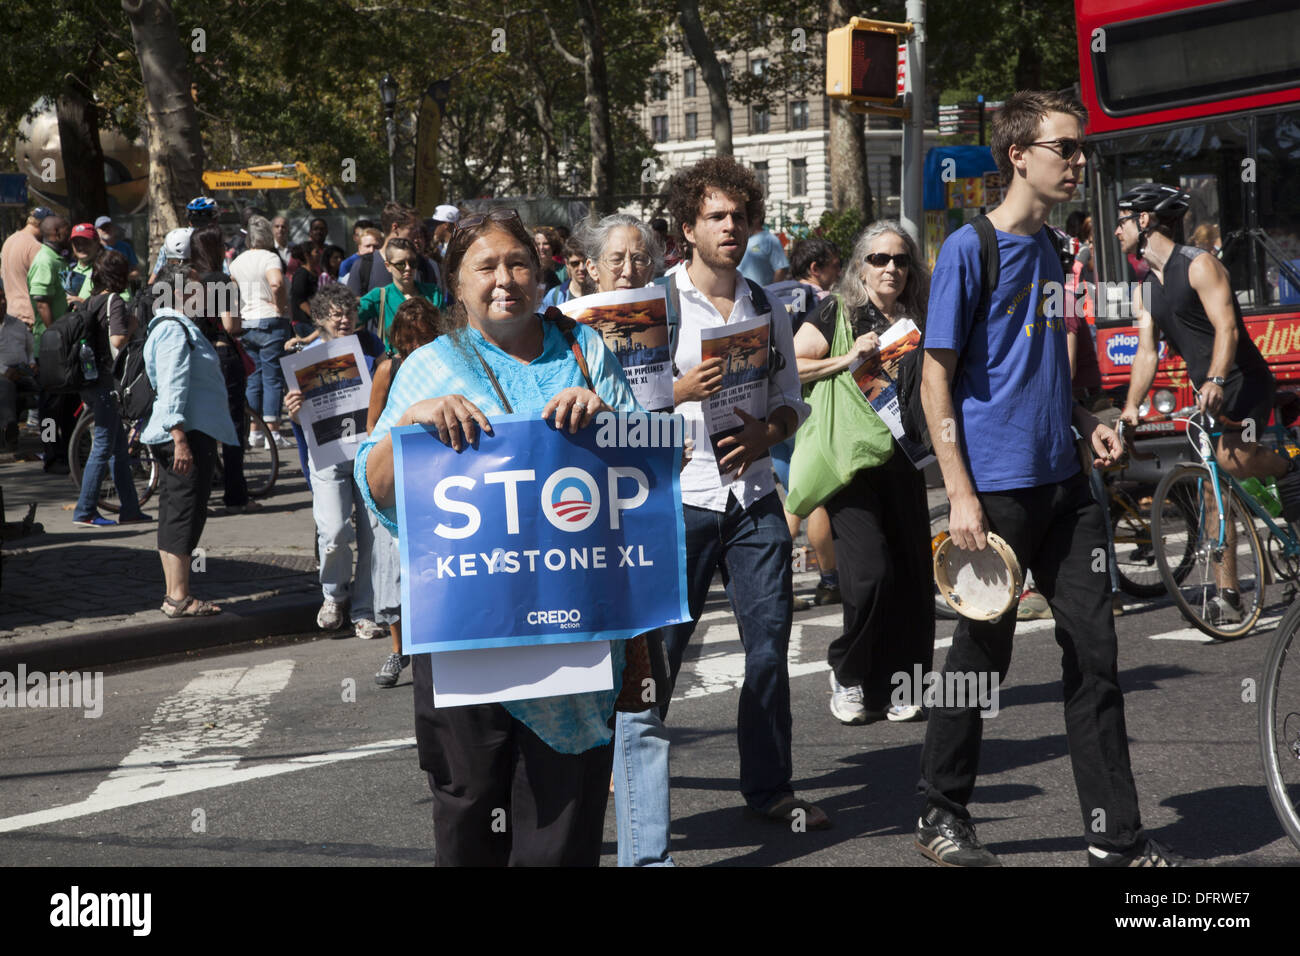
(85, 247)
(45, 277)
(379, 306)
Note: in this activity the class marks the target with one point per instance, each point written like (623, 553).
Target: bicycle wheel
(144, 467)
(1186, 489)
(1135, 555)
(261, 462)
(1279, 726)
(939, 531)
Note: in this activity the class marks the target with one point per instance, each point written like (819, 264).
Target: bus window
(1279, 204)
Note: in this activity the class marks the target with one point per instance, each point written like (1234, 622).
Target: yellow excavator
(319, 194)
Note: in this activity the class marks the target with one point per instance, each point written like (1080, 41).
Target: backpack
(133, 393)
(59, 366)
(367, 265)
(909, 367)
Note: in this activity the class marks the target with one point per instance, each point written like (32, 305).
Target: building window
(758, 67)
(659, 86)
(688, 81)
(659, 128)
(762, 120)
(798, 114)
(726, 72)
(798, 177)
(760, 172)
(692, 125)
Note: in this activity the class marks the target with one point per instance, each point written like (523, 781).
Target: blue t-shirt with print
(1012, 397)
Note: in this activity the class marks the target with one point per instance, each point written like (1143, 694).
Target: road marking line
(1184, 634)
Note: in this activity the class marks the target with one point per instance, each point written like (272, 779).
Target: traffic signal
(862, 61)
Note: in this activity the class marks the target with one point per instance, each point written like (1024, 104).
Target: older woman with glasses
(545, 762)
(879, 521)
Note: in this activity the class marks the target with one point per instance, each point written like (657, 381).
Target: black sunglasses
(881, 259)
(1067, 149)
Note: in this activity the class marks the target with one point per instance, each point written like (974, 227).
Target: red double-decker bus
(1206, 97)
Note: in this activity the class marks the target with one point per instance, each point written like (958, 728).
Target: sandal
(786, 808)
(190, 607)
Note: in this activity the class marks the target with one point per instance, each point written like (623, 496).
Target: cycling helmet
(201, 207)
(1165, 202)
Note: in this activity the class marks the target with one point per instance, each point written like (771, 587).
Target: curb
(263, 618)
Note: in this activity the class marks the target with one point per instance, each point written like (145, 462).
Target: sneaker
(256, 440)
(1149, 853)
(900, 713)
(950, 841)
(138, 519)
(96, 521)
(1117, 605)
(1224, 608)
(369, 630)
(846, 703)
(330, 616)
(1033, 606)
(281, 441)
(392, 670)
(826, 595)
(801, 603)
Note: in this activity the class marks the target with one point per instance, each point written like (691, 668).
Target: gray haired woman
(622, 252)
(879, 521)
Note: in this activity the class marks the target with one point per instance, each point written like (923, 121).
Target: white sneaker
(846, 703)
(903, 712)
(256, 440)
(281, 441)
(330, 616)
(368, 630)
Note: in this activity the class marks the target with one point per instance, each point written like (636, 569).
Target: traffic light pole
(913, 215)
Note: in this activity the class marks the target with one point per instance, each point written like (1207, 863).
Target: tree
(850, 187)
(701, 47)
(175, 147)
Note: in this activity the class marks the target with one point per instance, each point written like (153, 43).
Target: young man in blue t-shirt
(997, 398)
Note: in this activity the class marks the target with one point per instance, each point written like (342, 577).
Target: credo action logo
(565, 619)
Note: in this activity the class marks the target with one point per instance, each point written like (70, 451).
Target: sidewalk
(77, 597)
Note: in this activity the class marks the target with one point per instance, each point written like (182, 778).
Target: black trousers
(62, 409)
(183, 499)
(502, 797)
(881, 528)
(232, 456)
(1056, 531)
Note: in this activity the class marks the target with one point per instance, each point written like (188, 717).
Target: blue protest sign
(537, 536)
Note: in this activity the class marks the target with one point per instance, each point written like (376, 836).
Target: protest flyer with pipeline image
(634, 325)
(335, 386)
(743, 348)
(877, 376)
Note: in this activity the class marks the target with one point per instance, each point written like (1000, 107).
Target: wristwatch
(1218, 380)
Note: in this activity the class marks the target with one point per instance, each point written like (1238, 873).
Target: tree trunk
(850, 187)
(83, 156)
(596, 75)
(711, 71)
(175, 146)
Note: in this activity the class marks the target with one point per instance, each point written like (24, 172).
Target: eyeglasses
(881, 259)
(640, 262)
(492, 215)
(1067, 149)
(402, 265)
(1123, 219)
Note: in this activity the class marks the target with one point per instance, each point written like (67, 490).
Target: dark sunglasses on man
(1067, 149)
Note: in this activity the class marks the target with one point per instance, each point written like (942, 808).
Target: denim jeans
(752, 548)
(109, 445)
(641, 794)
(334, 498)
(265, 346)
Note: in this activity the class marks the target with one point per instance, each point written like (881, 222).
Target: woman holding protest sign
(879, 520)
(546, 762)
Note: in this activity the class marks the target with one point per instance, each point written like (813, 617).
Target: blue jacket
(191, 391)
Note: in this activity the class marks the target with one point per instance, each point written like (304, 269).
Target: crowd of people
(453, 315)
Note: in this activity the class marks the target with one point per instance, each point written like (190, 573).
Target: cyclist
(1188, 299)
(199, 212)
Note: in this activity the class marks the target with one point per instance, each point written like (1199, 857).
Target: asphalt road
(264, 755)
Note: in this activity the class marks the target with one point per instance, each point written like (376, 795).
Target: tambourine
(980, 585)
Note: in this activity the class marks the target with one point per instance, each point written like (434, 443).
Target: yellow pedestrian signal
(862, 61)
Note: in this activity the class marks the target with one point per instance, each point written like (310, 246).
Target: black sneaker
(1149, 853)
(392, 670)
(826, 595)
(950, 841)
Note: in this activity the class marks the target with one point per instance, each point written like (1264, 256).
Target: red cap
(84, 230)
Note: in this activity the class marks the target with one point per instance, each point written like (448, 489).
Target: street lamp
(388, 94)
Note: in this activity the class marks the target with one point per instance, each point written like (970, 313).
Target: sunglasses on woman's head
(494, 215)
(881, 259)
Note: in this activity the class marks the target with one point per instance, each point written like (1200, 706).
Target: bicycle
(261, 463)
(1221, 539)
(1279, 727)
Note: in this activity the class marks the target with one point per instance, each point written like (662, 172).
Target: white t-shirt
(256, 306)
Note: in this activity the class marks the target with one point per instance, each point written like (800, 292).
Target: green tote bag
(842, 436)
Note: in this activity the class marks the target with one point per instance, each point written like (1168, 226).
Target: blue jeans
(109, 443)
(265, 346)
(752, 548)
(641, 793)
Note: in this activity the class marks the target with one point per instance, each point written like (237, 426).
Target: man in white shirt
(735, 522)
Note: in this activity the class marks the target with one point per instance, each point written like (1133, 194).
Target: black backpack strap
(674, 319)
(367, 265)
(990, 264)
